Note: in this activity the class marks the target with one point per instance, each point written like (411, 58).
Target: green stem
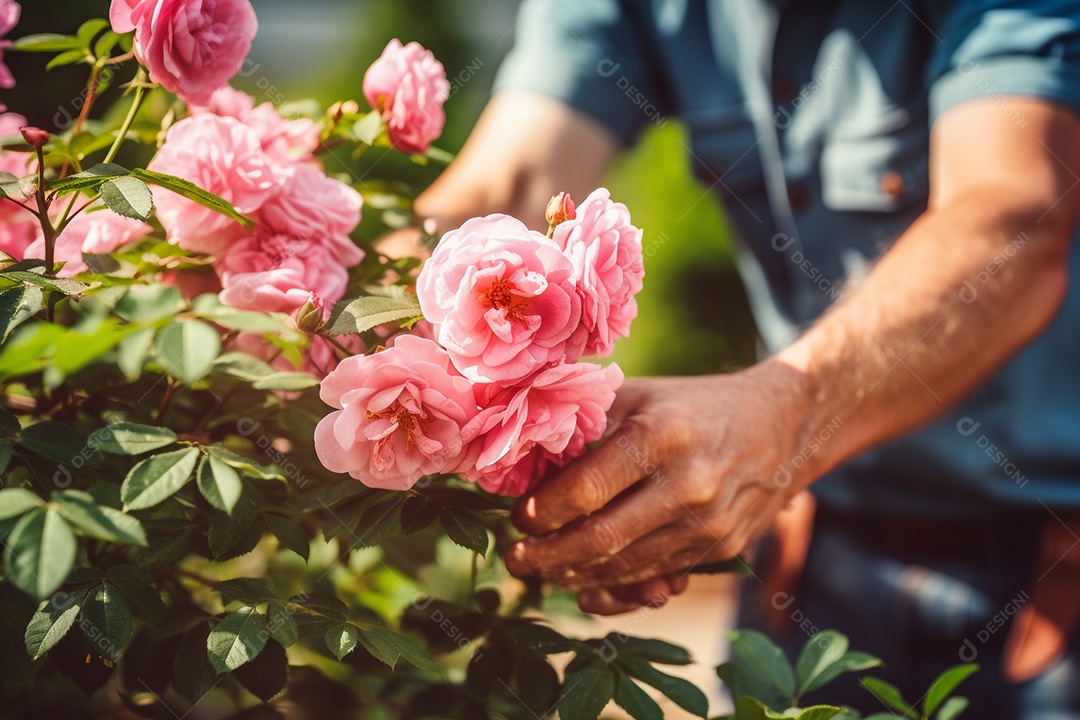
(140, 92)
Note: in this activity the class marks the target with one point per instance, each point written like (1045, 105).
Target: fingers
(602, 534)
(653, 593)
(593, 480)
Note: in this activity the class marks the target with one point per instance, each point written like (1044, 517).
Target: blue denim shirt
(811, 118)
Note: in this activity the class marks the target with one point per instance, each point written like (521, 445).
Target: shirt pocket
(725, 152)
(885, 172)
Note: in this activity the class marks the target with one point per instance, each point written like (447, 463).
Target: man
(923, 156)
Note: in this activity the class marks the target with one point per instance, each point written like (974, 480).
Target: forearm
(960, 293)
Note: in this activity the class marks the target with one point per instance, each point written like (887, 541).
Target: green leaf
(245, 465)
(352, 317)
(129, 197)
(682, 692)
(70, 57)
(107, 621)
(290, 381)
(250, 591)
(817, 656)
(852, 661)
(6, 451)
(265, 676)
(342, 639)
(132, 352)
(368, 128)
(219, 483)
(758, 669)
(465, 529)
(290, 534)
(192, 192)
(193, 675)
(97, 521)
(236, 640)
(187, 349)
(143, 598)
(46, 42)
(635, 701)
(130, 439)
(53, 440)
(377, 523)
(88, 179)
(90, 30)
(890, 695)
(210, 307)
(281, 624)
(40, 552)
(749, 708)
(225, 531)
(157, 478)
(656, 651)
(104, 46)
(952, 708)
(587, 691)
(149, 303)
(17, 305)
(51, 623)
(16, 501)
(387, 646)
(9, 425)
(945, 684)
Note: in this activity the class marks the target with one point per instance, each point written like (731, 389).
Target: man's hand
(691, 474)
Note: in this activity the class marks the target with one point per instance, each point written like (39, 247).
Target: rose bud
(35, 136)
(559, 209)
(309, 316)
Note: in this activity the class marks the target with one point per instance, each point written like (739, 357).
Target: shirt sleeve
(593, 55)
(1000, 48)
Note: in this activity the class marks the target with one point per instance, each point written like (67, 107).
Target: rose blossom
(190, 47)
(524, 431)
(17, 227)
(503, 300)
(409, 86)
(608, 267)
(95, 230)
(220, 155)
(9, 18)
(401, 415)
(284, 141)
(277, 273)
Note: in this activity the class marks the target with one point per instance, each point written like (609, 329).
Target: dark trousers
(922, 596)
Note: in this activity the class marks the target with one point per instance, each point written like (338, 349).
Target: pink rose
(503, 300)
(190, 47)
(18, 228)
(9, 18)
(284, 141)
(525, 431)
(314, 206)
(17, 235)
(608, 267)
(97, 231)
(401, 415)
(223, 156)
(277, 273)
(409, 86)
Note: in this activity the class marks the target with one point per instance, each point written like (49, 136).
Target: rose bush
(246, 458)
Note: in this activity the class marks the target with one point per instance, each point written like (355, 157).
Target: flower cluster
(498, 394)
(264, 165)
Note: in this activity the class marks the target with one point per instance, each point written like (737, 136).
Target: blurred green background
(693, 312)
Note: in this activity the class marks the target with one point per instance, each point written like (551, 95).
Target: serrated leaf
(944, 685)
(281, 624)
(820, 652)
(129, 197)
(290, 534)
(342, 639)
(387, 646)
(417, 513)
(187, 349)
(362, 314)
(157, 478)
(465, 529)
(245, 465)
(130, 439)
(586, 692)
(219, 483)
(265, 676)
(97, 521)
(88, 179)
(40, 552)
(17, 305)
(225, 531)
(682, 692)
(16, 501)
(51, 623)
(135, 585)
(236, 640)
(106, 621)
(377, 523)
(635, 701)
(890, 695)
(193, 675)
(192, 192)
(250, 591)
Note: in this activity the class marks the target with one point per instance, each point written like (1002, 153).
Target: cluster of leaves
(765, 686)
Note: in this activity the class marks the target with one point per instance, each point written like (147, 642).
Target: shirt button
(892, 183)
(798, 197)
(784, 90)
